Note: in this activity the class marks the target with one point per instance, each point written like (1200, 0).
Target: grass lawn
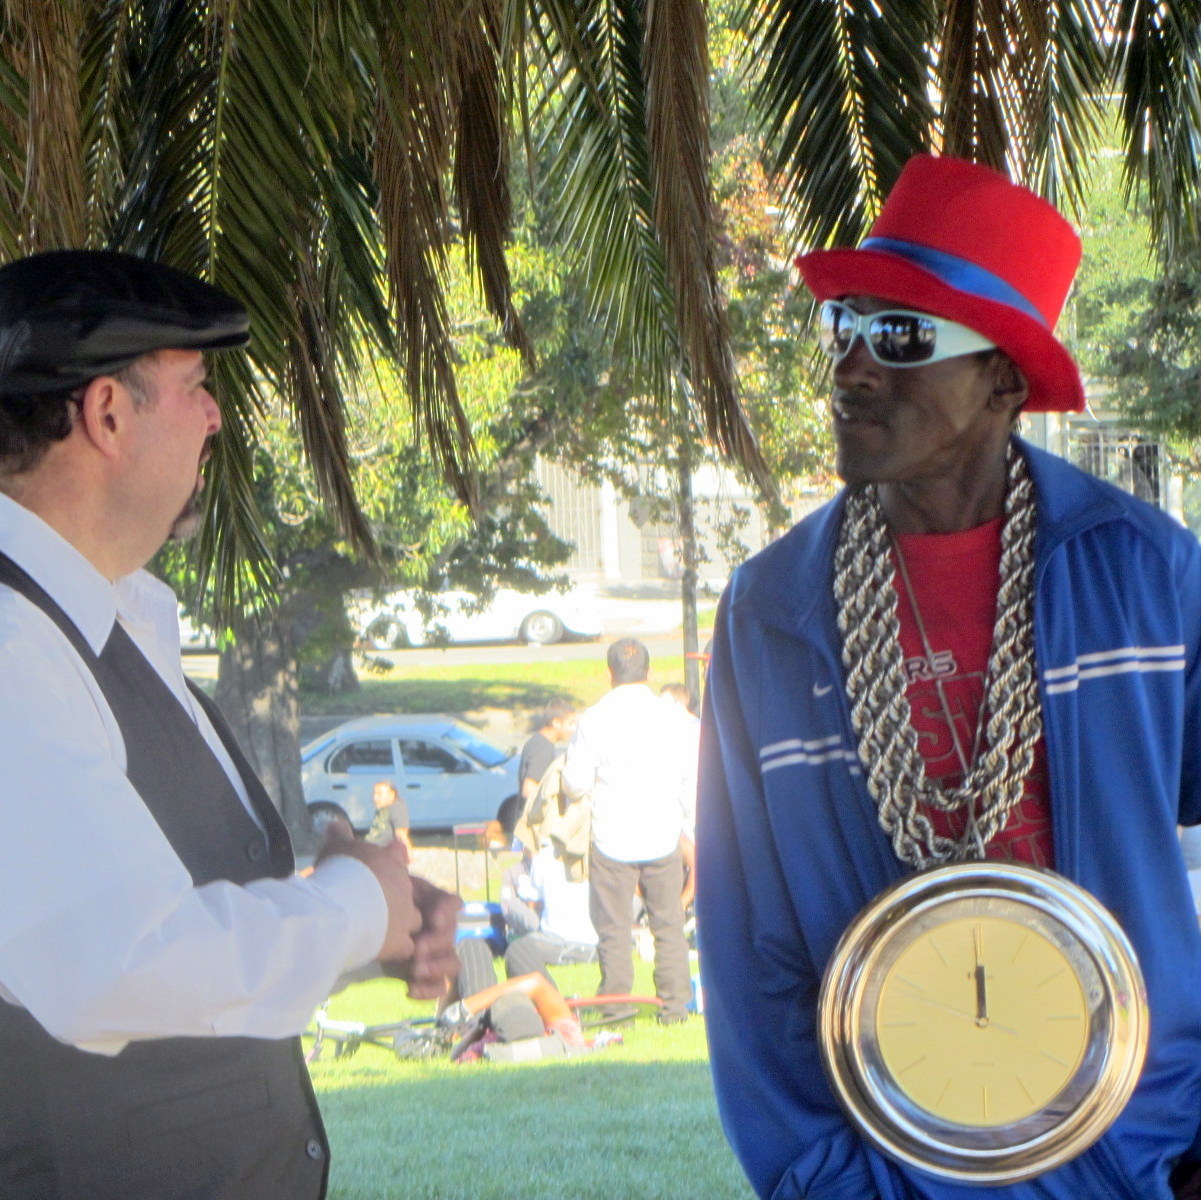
(635, 1121)
(630, 1122)
(469, 687)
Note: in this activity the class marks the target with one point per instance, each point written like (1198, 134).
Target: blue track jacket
(790, 849)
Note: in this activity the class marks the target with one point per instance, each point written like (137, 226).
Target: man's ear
(1010, 389)
(104, 408)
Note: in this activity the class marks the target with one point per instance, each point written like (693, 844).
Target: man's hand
(390, 866)
(433, 963)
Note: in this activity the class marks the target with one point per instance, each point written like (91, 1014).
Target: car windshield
(314, 748)
(484, 753)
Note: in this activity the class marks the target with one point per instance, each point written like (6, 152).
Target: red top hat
(961, 241)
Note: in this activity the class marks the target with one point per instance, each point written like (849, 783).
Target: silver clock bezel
(1094, 1095)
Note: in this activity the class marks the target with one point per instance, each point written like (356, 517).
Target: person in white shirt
(630, 752)
(676, 695)
(565, 933)
(158, 953)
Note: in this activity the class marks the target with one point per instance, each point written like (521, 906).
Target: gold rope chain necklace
(992, 784)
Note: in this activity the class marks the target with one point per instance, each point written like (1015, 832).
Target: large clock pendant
(985, 1022)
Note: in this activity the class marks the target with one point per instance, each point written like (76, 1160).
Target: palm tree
(317, 159)
(320, 158)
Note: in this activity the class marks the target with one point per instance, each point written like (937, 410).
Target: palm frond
(314, 385)
(104, 103)
(244, 138)
(1158, 74)
(411, 161)
(1068, 71)
(844, 93)
(1022, 86)
(481, 165)
(975, 85)
(676, 67)
(596, 136)
(14, 116)
(43, 118)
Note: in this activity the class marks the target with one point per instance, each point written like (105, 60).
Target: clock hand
(958, 1012)
(981, 992)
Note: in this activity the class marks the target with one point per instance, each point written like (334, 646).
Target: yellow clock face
(981, 1020)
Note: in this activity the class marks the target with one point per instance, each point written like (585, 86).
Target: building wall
(619, 540)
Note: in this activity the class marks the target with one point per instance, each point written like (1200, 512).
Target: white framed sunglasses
(896, 337)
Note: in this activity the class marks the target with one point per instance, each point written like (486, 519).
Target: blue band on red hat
(958, 273)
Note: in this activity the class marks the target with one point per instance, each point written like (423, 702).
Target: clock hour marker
(941, 1094)
(984, 1101)
(1024, 1088)
(1055, 1059)
(941, 957)
(913, 1064)
(1020, 947)
(1053, 975)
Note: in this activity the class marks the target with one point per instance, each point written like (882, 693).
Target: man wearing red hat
(951, 730)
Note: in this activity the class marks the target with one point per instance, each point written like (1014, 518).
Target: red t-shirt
(955, 578)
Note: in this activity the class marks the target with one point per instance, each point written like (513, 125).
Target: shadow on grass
(435, 695)
(581, 1129)
(458, 689)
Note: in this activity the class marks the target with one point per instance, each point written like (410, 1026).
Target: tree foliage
(1137, 319)
(850, 91)
(320, 160)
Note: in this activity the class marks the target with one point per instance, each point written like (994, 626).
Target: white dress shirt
(564, 901)
(103, 936)
(631, 752)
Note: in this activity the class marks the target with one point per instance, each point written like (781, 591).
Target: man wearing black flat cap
(157, 962)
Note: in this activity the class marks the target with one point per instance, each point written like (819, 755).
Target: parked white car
(396, 621)
(448, 773)
(198, 639)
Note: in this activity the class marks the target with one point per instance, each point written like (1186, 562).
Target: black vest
(226, 1118)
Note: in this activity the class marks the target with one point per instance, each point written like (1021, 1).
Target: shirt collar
(88, 599)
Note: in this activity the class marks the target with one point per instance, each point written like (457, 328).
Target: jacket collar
(789, 585)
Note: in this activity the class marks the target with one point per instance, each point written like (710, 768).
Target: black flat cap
(67, 316)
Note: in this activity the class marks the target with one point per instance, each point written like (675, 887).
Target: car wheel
(541, 628)
(386, 633)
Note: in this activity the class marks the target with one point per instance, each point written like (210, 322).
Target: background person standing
(630, 753)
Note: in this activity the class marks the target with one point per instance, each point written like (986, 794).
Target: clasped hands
(419, 945)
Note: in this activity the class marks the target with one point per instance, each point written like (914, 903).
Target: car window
(314, 748)
(483, 752)
(422, 757)
(360, 758)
